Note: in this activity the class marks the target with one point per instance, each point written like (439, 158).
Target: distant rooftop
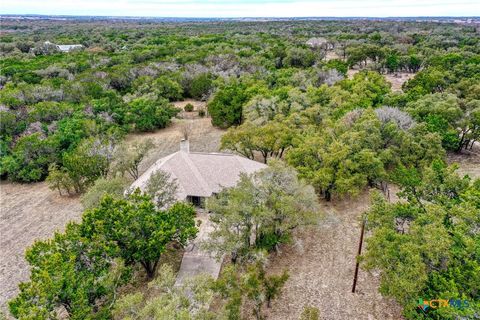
(65, 47)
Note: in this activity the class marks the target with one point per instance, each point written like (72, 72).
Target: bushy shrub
(103, 186)
(148, 115)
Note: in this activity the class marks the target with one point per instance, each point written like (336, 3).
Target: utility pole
(357, 264)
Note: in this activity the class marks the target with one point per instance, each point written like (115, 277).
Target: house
(64, 47)
(200, 175)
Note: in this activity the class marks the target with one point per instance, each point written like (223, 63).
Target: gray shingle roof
(201, 174)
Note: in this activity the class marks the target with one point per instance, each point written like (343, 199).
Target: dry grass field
(203, 137)
(398, 79)
(28, 212)
(468, 161)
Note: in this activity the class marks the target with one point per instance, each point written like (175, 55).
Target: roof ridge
(238, 159)
(155, 166)
(214, 153)
(204, 185)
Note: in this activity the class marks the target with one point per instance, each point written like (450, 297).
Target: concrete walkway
(196, 261)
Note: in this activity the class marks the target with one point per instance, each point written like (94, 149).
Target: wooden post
(357, 264)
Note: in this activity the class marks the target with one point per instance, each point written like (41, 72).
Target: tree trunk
(149, 268)
(328, 195)
(461, 142)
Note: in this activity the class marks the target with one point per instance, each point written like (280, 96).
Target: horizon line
(227, 17)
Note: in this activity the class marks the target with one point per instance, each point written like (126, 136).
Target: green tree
(423, 245)
(168, 88)
(189, 301)
(115, 187)
(147, 115)
(469, 125)
(128, 157)
(342, 159)
(138, 229)
(226, 106)
(260, 212)
(299, 57)
(162, 188)
(199, 86)
(270, 140)
(71, 272)
(89, 161)
(442, 114)
(260, 288)
(30, 158)
(359, 150)
(71, 131)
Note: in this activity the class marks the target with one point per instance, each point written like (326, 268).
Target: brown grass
(468, 161)
(203, 137)
(331, 55)
(398, 79)
(28, 212)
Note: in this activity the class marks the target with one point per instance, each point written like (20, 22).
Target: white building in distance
(65, 47)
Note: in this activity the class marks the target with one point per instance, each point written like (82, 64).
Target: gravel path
(196, 261)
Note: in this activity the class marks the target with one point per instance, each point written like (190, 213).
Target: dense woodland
(282, 91)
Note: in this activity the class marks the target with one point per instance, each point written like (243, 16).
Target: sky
(244, 8)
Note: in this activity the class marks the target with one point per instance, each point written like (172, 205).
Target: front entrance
(198, 202)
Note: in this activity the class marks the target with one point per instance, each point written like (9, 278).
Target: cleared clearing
(28, 212)
(203, 137)
(398, 79)
(468, 161)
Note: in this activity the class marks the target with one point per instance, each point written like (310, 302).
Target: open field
(203, 137)
(398, 79)
(28, 212)
(468, 161)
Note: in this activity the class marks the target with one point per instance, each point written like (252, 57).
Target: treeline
(127, 74)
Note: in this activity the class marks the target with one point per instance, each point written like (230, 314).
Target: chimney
(184, 145)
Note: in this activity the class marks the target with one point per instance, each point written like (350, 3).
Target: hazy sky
(244, 8)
